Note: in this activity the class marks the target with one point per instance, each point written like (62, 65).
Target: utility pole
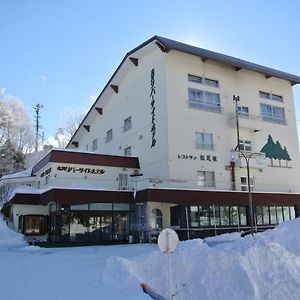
(236, 99)
(37, 109)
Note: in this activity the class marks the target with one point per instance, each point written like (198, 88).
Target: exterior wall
(247, 85)
(133, 99)
(106, 178)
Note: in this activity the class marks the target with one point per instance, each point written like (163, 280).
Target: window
(109, 136)
(205, 81)
(209, 216)
(127, 124)
(95, 145)
(127, 151)
(272, 215)
(193, 78)
(47, 179)
(157, 219)
(270, 96)
(243, 111)
(272, 113)
(244, 183)
(206, 179)
(204, 100)
(211, 82)
(123, 181)
(34, 225)
(204, 140)
(245, 145)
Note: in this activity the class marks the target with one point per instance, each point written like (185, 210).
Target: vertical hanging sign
(152, 103)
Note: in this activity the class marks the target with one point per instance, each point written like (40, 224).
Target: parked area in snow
(264, 267)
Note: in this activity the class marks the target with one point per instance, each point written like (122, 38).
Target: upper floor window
(244, 183)
(272, 113)
(201, 80)
(123, 181)
(270, 96)
(245, 145)
(211, 82)
(127, 124)
(47, 179)
(109, 135)
(206, 179)
(95, 145)
(204, 140)
(127, 151)
(196, 79)
(204, 100)
(243, 111)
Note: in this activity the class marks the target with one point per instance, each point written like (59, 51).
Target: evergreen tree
(12, 160)
(286, 155)
(269, 149)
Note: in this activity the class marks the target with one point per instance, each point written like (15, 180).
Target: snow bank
(264, 267)
(10, 238)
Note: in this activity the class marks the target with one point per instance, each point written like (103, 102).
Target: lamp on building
(261, 160)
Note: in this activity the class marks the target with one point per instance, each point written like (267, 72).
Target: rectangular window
(245, 145)
(194, 216)
(204, 100)
(204, 141)
(224, 214)
(109, 136)
(211, 82)
(204, 215)
(243, 111)
(270, 96)
(123, 181)
(127, 151)
(243, 216)
(206, 179)
(244, 183)
(274, 114)
(127, 124)
(193, 78)
(95, 145)
(34, 225)
(47, 179)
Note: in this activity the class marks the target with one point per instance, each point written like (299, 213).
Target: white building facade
(171, 105)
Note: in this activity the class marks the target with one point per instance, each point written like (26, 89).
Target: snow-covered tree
(15, 123)
(70, 120)
(12, 160)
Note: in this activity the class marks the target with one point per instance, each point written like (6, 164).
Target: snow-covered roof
(25, 173)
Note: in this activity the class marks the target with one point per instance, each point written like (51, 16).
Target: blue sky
(62, 52)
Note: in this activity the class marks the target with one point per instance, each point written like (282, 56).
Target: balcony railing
(204, 106)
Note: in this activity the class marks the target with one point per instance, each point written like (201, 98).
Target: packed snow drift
(226, 267)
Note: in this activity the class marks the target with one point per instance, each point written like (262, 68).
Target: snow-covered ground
(266, 267)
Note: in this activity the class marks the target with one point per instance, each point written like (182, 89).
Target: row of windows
(210, 216)
(210, 101)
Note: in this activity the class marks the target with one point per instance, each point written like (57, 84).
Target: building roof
(87, 158)
(166, 45)
(237, 63)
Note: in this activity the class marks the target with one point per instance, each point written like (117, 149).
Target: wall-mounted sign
(81, 170)
(152, 104)
(274, 151)
(46, 172)
(197, 157)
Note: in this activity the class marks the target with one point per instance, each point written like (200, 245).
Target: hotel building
(155, 150)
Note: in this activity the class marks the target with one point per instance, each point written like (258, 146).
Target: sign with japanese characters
(152, 105)
(202, 157)
(81, 170)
